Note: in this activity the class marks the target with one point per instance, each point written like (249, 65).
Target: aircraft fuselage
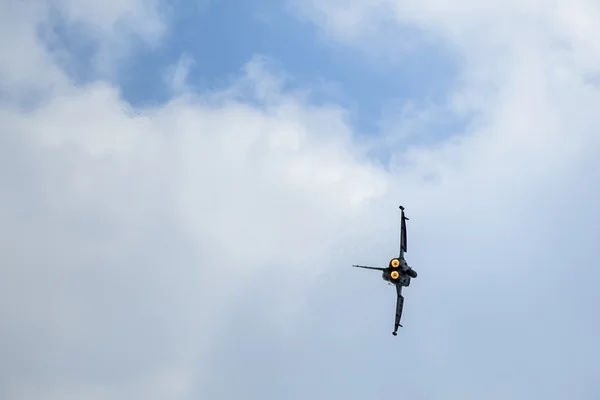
(398, 272)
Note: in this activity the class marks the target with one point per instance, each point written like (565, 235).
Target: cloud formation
(140, 244)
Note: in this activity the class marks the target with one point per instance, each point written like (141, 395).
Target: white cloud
(112, 18)
(27, 69)
(24, 63)
(130, 234)
(131, 237)
(524, 74)
(526, 158)
(115, 26)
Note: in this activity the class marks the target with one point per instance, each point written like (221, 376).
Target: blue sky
(223, 36)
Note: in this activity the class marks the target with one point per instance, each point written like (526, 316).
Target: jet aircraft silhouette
(397, 272)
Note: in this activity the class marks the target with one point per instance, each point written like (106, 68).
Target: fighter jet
(398, 272)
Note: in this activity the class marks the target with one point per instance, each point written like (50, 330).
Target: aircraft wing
(367, 267)
(399, 306)
(402, 232)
